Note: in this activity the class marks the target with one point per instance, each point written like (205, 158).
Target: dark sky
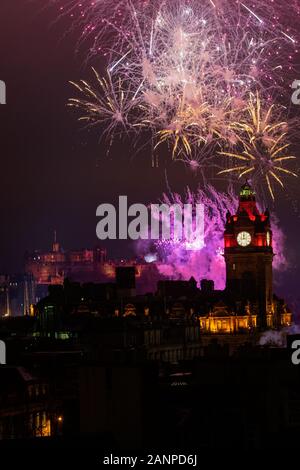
(54, 175)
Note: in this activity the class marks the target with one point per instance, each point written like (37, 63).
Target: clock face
(244, 239)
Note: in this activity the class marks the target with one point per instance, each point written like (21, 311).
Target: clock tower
(248, 255)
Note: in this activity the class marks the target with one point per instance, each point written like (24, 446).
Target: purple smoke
(176, 262)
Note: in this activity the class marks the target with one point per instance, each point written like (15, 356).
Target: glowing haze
(176, 262)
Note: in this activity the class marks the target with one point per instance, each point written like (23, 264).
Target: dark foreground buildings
(102, 367)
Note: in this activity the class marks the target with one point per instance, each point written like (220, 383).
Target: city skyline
(150, 227)
(47, 161)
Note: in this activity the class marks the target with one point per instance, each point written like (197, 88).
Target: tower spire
(55, 246)
(247, 200)
(247, 192)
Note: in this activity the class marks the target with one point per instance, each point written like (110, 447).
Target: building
(248, 301)
(87, 265)
(4, 296)
(246, 304)
(26, 407)
(17, 295)
(52, 267)
(249, 256)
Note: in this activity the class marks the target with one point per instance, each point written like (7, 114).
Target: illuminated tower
(249, 255)
(55, 245)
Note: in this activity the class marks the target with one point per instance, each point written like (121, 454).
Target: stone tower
(249, 255)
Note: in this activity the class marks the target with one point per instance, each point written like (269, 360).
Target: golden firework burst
(262, 145)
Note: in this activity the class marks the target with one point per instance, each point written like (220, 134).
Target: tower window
(233, 266)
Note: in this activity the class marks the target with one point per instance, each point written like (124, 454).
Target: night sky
(54, 174)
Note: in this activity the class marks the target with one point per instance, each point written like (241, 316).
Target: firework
(185, 79)
(107, 103)
(106, 23)
(201, 159)
(263, 149)
(175, 261)
(184, 71)
(103, 24)
(191, 74)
